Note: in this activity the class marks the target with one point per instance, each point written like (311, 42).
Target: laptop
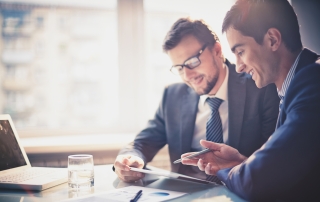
(16, 171)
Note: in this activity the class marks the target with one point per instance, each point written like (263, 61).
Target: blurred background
(86, 75)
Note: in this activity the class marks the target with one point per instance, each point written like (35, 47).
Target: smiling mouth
(197, 80)
(251, 72)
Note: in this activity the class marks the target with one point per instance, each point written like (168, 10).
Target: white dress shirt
(204, 111)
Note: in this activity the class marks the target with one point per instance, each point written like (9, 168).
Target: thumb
(137, 161)
(210, 145)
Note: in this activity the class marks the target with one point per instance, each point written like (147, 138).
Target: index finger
(122, 164)
(210, 145)
(187, 154)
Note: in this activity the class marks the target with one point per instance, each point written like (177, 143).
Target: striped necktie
(214, 128)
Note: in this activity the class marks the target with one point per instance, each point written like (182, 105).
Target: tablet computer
(172, 175)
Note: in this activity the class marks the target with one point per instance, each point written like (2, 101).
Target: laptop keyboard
(25, 175)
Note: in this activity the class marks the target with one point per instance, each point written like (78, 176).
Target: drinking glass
(80, 171)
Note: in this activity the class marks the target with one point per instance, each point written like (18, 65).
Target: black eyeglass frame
(174, 68)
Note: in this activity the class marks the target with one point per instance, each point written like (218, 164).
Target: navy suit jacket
(252, 119)
(287, 166)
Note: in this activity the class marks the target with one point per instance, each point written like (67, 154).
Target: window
(80, 67)
(59, 65)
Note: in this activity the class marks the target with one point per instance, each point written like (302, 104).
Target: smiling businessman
(264, 36)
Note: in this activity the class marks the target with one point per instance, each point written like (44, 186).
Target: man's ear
(216, 49)
(273, 38)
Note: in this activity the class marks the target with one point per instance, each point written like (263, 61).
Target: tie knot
(214, 103)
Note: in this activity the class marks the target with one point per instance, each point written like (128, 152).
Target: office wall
(308, 13)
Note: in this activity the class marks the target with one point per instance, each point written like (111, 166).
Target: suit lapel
(307, 57)
(236, 104)
(189, 108)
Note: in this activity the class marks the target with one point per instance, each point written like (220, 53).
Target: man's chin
(200, 91)
(260, 84)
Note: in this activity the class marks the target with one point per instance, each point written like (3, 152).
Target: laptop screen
(10, 153)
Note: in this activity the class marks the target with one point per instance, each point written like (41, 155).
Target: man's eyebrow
(236, 46)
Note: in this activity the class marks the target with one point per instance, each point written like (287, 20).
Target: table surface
(106, 180)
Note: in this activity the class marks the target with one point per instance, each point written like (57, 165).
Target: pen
(137, 196)
(193, 155)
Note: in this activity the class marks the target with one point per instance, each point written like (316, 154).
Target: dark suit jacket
(252, 119)
(288, 165)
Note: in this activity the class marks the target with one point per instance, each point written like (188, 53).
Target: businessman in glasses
(213, 102)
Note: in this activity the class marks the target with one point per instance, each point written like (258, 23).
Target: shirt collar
(287, 81)
(222, 93)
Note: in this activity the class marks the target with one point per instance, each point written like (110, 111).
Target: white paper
(125, 194)
(215, 199)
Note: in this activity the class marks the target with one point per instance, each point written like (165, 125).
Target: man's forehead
(189, 41)
(235, 39)
(186, 48)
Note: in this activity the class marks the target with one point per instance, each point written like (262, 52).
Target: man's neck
(284, 67)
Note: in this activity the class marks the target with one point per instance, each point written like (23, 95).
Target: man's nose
(187, 73)
(239, 66)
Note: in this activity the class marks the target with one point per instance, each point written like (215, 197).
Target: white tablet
(172, 175)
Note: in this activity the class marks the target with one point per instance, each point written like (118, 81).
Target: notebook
(16, 171)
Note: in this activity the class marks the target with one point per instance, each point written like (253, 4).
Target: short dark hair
(184, 27)
(253, 18)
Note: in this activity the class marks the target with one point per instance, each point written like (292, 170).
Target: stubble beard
(211, 82)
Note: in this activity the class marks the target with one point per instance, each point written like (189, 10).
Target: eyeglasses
(190, 63)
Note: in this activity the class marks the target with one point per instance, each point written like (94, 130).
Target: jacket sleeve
(152, 138)
(291, 153)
